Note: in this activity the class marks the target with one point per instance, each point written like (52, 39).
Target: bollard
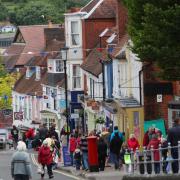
(145, 160)
(152, 160)
(179, 155)
(137, 157)
(161, 160)
(169, 157)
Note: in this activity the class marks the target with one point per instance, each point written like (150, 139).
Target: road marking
(65, 174)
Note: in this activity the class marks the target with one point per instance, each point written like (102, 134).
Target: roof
(129, 102)
(30, 86)
(37, 61)
(92, 63)
(34, 38)
(100, 9)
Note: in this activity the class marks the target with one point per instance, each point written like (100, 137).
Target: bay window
(75, 36)
(59, 66)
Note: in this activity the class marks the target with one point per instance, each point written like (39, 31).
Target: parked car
(3, 138)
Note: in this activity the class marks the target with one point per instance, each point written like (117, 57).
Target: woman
(45, 159)
(133, 143)
(20, 164)
(72, 147)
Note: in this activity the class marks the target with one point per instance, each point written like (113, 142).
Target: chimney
(50, 25)
(121, 18)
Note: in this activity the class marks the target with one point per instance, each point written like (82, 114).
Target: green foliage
(29, 12)
(100, 120)
(154, 28)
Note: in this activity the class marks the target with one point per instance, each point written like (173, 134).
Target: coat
(45, 155)
(20, 164)
(155, 143)
(133, 144)
(102, 149)
(115, 144)
(72, 144)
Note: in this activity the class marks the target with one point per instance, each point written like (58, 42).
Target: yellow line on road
(59, 172)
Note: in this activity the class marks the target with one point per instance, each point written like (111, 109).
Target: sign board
(74, 116)
(66, 156)
(159, 97)
(158, 123)
(18, 115)
(62, 103)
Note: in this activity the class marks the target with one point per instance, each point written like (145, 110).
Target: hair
(115, 127)
(132, 135)
(177, 121)
(21, 146)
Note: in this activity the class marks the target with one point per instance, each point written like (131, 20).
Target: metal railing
(143, 161)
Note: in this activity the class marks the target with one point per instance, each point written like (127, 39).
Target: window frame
(73, 34)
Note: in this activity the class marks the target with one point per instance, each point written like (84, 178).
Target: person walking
(15, 136)
(43, 132)
(72, 147)
(20, 164)
(173, 138)
(115, 147)
(84, 149)
(45, 159)
(77, 157)
(102, 153)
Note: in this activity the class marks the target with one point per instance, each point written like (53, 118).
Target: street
(5, 168)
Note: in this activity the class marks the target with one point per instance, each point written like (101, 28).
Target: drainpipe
(144, 67)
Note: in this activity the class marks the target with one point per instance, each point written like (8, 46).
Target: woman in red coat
(72, 147)
(45, 158)
(133, 143)
(154, 144)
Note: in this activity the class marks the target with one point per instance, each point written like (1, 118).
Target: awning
(110, 106)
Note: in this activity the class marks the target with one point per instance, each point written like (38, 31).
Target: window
(76, 79)
(74, 33)
(59, 66)
(47, 91)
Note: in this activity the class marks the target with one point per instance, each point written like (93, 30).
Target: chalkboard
(66, 156)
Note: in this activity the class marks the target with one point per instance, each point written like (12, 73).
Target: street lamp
(64, 58)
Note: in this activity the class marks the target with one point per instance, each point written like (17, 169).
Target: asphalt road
(5, 167)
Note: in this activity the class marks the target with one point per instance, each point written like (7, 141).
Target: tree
(154, 28)
(3, 12)
(36, 13)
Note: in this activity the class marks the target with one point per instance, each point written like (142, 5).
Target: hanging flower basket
(100, 120)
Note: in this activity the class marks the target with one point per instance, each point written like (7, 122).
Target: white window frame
(59, 69)
(75, 34)
(75, 76)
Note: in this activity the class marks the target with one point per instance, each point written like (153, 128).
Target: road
(5, 167)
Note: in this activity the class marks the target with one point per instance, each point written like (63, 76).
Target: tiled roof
(37, 61)
(30, 86)
(34, 37)
(92, 63)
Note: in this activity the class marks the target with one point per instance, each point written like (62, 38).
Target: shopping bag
(127, 159)
(40, 169)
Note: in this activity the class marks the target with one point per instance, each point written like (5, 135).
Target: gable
(19, 38)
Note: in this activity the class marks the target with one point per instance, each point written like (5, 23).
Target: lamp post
(64, 58)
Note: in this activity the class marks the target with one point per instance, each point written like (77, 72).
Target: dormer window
(38, 73)
(59, 66)
(75, 36)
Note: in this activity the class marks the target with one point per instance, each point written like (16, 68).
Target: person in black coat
(102, 153)
(115, 147)
(173, 138)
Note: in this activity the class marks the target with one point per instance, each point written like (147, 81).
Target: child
(77, 157)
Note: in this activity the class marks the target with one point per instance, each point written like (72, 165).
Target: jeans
(85, 160)
(49, 169)
(157, 168)
(175, 166)
(115, 159)
(72, 158)
(21, 177)
(102, 161)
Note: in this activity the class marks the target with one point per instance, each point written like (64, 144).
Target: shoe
(50, 177)
(42, 175)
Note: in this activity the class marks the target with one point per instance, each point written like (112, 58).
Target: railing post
(145, 160)
(179, 155)
(132, 161)
(137, 157)
(152, 160)
(161, 160)
(170, 158)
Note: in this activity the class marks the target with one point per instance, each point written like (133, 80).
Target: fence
(143, 162)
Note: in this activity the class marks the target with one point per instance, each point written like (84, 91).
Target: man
(173, 138)
(15, 136)
(43, 132)
(84, 149)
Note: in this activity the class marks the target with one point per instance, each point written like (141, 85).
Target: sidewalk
(108, 174)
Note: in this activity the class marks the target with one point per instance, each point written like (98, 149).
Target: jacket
(102, 149)
(133, 144)
(20, 164)
(45, 155)
(155, 143)
(174, 135)
(72, 144)
(115, 144)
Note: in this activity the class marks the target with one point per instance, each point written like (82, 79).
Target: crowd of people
(111, 147)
